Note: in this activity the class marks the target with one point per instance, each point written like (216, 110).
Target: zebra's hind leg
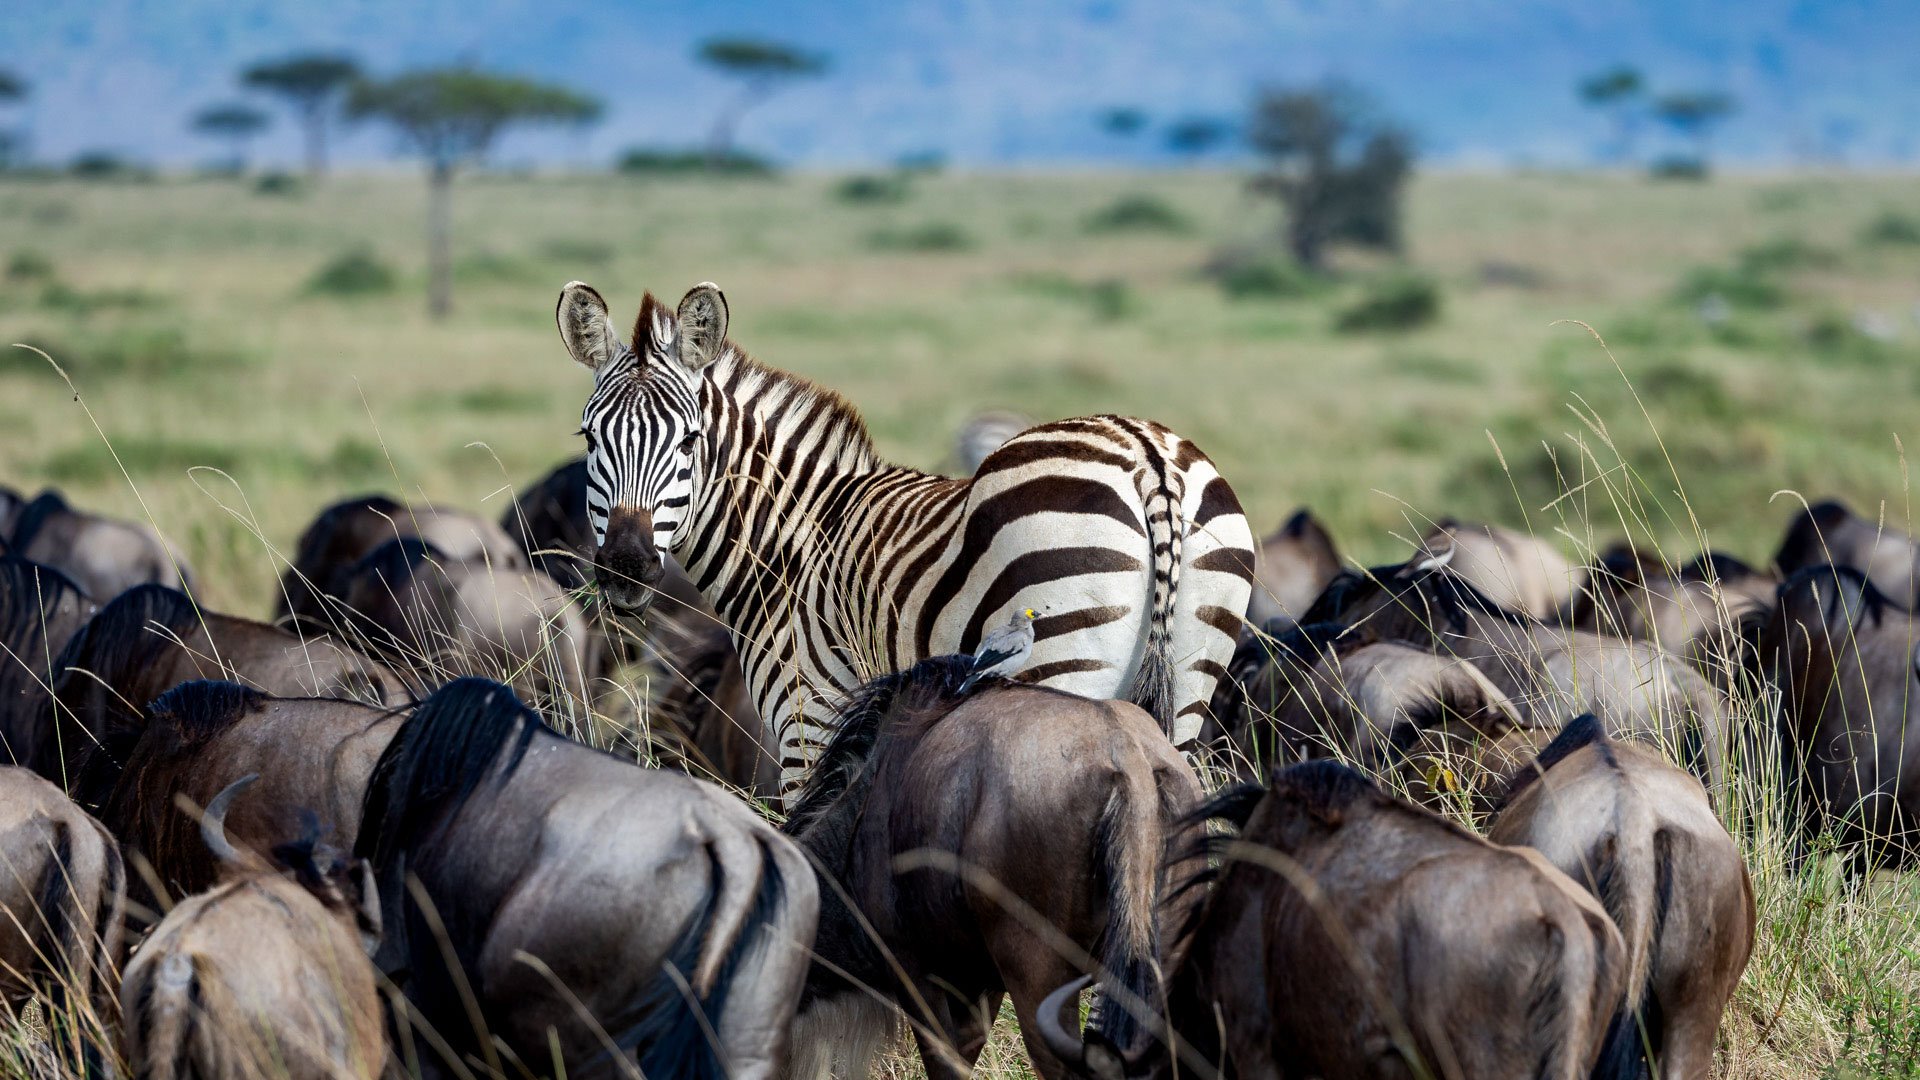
(1216, 581)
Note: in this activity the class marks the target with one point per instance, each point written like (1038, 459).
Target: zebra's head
(643, 429)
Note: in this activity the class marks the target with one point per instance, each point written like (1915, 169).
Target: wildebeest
(1830, 532)
(1700, 612)
(1519, 572)
(1291, 566)
(1039, 819)
(1643, 839)
(40, 609)
(418, 608)
(704, 700)
(311, 755)
(1637, 689)
(266, 975)
(63, 894)
(1844, 655)
(152, 638)
(605, 915)
(351, 529)
(1350, 934)
(105, 556)
(1326, 689)
(550, 521)
(982, 434)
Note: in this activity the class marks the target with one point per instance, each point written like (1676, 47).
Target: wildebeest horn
(1070, 1049)
(1437, 560)
(213, 820)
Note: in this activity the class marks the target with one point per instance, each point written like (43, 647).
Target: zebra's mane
(781, 398)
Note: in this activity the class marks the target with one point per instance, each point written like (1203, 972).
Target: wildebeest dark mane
(396, 561)
(551, 524)
(321, 534)
(1581, 732)
(440, 756)
(118, 777)
(1716, 566)
(1805, 543)
(33, 517)
(115, 648)
(841, 770)
(1445, 592)
(28, 591)
(1874, 604)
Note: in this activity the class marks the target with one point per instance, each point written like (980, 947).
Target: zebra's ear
(702, 325)
(585, 326)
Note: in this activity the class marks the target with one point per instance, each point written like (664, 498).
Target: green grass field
(1761, 341)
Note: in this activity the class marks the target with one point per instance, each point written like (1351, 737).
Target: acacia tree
(1619, 92)
(762, 67)
(311, 84)
(1192, 137)
(236, 123)
(1335, 164)
(1693, 116)
(13, 90)
(451, 116)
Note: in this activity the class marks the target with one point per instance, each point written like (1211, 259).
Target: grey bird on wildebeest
(1004, 651)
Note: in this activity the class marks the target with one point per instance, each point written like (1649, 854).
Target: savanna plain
(1588, 358)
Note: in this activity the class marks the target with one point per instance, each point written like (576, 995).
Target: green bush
(59, 296)
(1245, 276)
(1394, 302)
(873, 189)
(1111, 299)
(277, 183)
(932, 236)
(653, 161)
(1786, 253)
(1677, 167)
(1892, 228)
(1137, 213)
(107, 165)
(356, 273)
(29, 265)
(1740, 286)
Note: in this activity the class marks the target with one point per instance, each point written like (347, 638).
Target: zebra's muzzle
(628, 566)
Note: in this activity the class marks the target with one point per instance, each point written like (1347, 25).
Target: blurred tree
(311, 84)
(13, 89)
(235, 122)
(1335, 164)
(1620, 92)
(450, 116)
(1693, 115)
(1192, 137)
(762, 68)
(1123, 121)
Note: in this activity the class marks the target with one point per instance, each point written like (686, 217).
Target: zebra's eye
(686, 444)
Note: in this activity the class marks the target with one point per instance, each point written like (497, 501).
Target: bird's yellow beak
(1032, 614)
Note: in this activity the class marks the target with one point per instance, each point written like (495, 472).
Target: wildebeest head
(645, 462)
(344, 886)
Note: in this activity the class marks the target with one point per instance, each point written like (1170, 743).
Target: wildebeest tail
(1639, 1026)
(162, 1020)
(672, 1029)
(1129, 843)
(1153, 683)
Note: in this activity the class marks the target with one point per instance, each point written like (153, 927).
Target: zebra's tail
(1153, 684)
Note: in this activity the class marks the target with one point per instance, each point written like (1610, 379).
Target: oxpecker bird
(1004, 651)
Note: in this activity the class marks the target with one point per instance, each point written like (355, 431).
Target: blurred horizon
(992, 84)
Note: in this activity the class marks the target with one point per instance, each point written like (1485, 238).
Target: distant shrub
(29, 265)
(932, 236)
(873, 189)
(1395, 302)
(1840, 337)
(654, 161)
(1738, 286)
(356, 273)
(1786, 253)
(494, 266)
(141, 352)
(1136, 213)
(106, 165)
(1678, 167)
(578, 251)
(1892, 228)
(1260, 275)
(353, 456)
(59, 296)
(277, 183)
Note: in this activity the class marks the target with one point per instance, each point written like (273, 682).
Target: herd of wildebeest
(1480, 826)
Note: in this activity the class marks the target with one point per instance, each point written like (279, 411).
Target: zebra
(831, 566)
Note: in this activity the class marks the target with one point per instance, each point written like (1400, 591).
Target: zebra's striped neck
(788, 465)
